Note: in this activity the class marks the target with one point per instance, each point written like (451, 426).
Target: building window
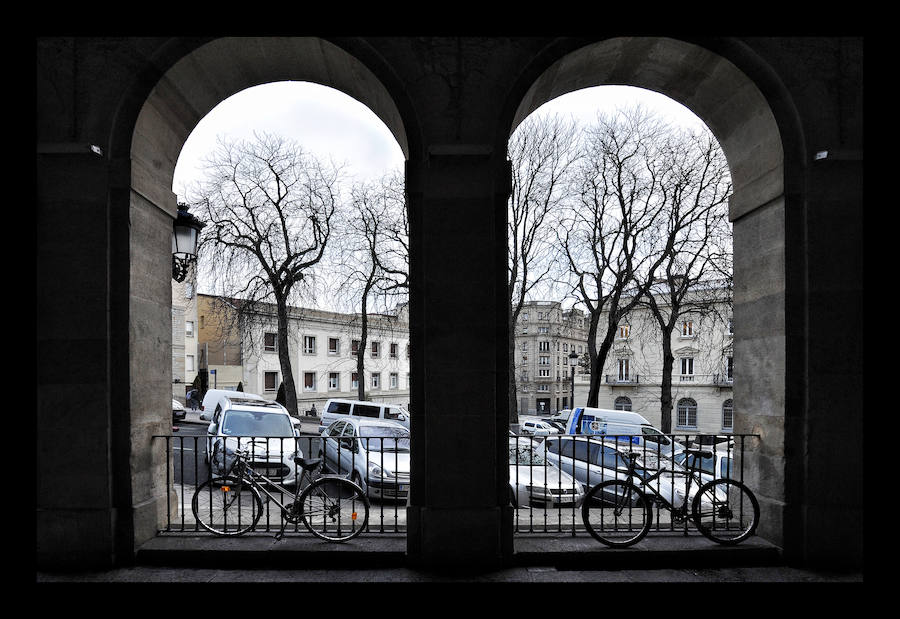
(543, 330)
(334, 381)
(354, 347)
(189, 363)
(354, 381)
(393, 352)
(524, 346)
(728, 416)
(309, 381)
(730, 328)
(729, 369)
(624, 330)
(395, 380)
(687, 368)
(622, 404)
(543, 388)
(189, 328)
(270, 381)
(543, 346)
(376, 349)
(525, 316)
(624, 367)
(687, 328)
(269, 342)
(309, 344)
(687, 413)
(376, 380)
(334, 346)
(544, 360)
(543, 373)
(407, 351)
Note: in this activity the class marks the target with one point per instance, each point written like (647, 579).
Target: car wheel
(356, 478)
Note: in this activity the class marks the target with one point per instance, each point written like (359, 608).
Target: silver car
(592, 459)
(373, 453)
(266, 430)
(532, 479)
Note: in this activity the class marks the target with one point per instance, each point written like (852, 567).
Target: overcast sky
(331, 124)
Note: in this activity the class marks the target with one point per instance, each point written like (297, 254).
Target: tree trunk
(284, 358)
(512, 395)
(666, 388)
(361, 351)
(594, 388)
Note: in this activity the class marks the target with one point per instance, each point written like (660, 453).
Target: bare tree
(608, 236)
(542, 151)
(374, 256)
(269, 208)
(695, 244)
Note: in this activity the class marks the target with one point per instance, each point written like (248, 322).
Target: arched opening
(185, 92)
(741, 117)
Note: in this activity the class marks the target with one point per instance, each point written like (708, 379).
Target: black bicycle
(331, 507)
(619, 512)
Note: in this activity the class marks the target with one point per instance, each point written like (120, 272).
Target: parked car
(337, 408)
(592, 459)
(718, 465)
(178, 411)
(373, 452)
(532, 479)
(538, 428)
(262, 426)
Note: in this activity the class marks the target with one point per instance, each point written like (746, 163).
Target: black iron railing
(548, 475)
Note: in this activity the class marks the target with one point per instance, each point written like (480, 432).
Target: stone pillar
(458, 515)
(78, 515)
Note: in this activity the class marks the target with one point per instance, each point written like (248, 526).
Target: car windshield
(256, 423)
(525, 455)
(384, 438)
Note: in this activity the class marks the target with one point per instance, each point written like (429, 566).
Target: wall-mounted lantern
(185, 237)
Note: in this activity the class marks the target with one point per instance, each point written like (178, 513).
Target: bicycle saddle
(703, 453)
(307, 464)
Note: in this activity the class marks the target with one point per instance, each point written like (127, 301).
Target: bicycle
(618, 512)
(331, 507)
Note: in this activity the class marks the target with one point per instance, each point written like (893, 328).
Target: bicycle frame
(249, 474)
(691, 472)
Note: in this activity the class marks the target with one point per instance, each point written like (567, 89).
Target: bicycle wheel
(725, 511)
(334, 509)
(226, 506)
(616, 513)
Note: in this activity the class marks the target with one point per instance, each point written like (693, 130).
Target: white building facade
(185, 335)
(702, 376)
(324, 348)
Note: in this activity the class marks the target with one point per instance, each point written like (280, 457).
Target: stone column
(458, 514)
(78, 517)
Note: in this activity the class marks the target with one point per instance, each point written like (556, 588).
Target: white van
(216, 400)
(628, 426)
(336, 408)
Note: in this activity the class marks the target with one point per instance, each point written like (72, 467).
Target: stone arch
(155, 118)
(753, 118)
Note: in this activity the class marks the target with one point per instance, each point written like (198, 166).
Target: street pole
(572, 356)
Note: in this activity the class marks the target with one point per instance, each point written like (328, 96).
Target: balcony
(631, 379)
